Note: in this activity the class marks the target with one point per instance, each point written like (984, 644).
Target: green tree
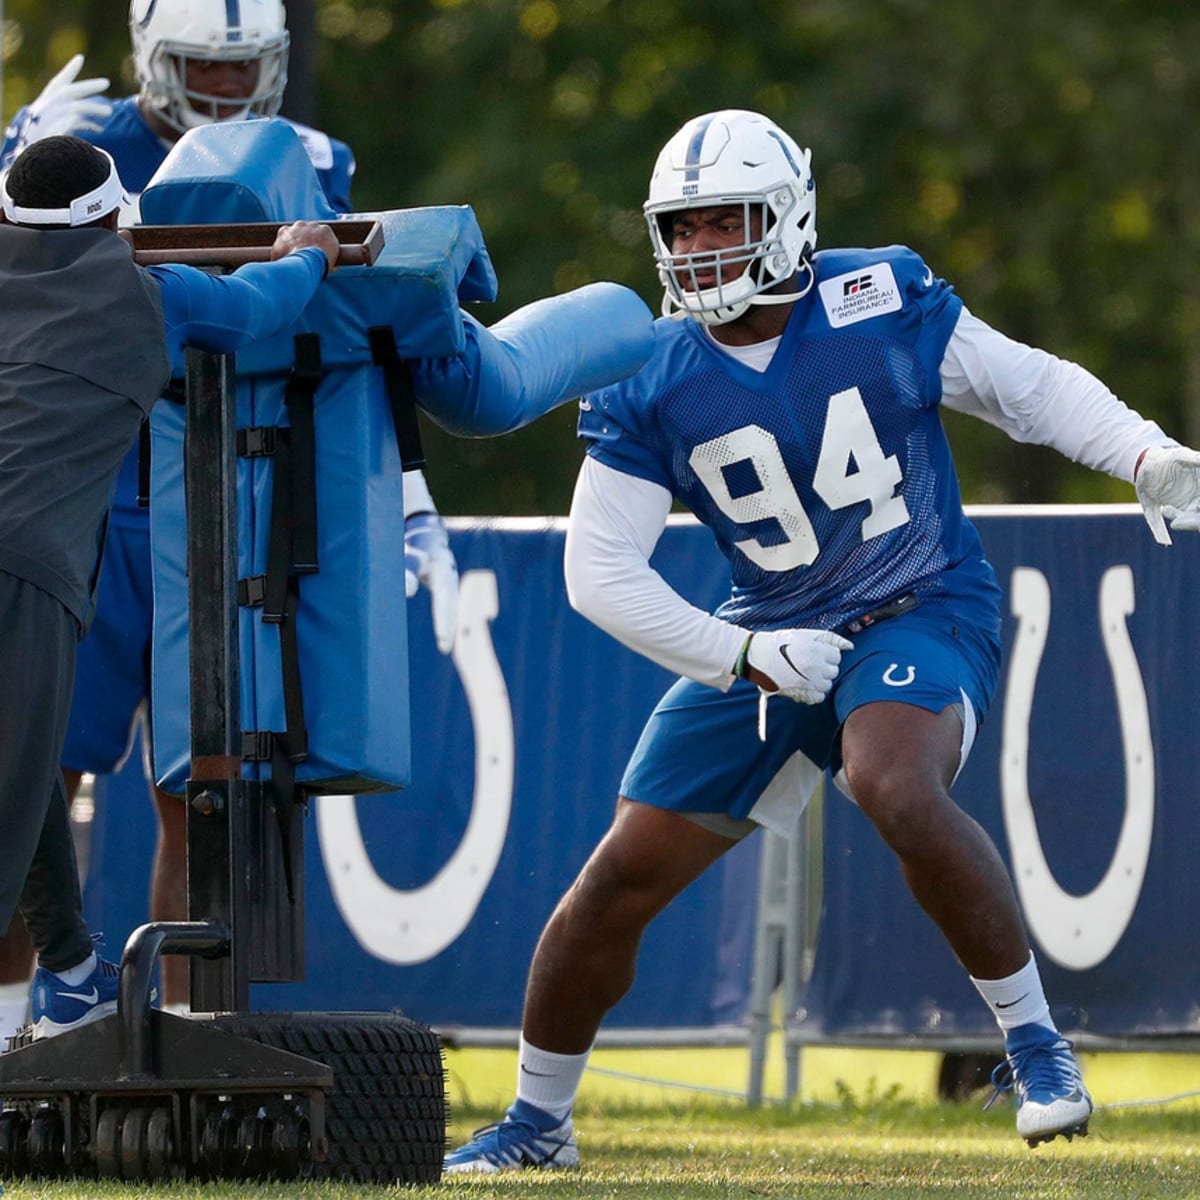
(1038, 156)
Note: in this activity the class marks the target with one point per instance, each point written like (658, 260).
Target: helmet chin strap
(789, 297)
(777, 297)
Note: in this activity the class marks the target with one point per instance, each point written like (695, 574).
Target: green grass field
(874, 1133)
(885, 1149)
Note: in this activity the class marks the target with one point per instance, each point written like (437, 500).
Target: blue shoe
(515, 1144)
(1051, 1098)
(56, 1006)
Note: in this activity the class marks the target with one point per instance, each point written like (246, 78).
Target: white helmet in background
(166, 33)
(727, 158)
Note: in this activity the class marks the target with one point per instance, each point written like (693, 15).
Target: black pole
(218, 890)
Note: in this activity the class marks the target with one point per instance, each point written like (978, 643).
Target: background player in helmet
(197, 61)
(793, 407)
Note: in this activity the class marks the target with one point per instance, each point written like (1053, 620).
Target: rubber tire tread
(386, 1117)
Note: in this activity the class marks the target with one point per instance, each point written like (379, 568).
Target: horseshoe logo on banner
(411, 926)
(1077, 932)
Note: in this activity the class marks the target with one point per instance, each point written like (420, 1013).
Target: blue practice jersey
(138, 152)
(827, 479)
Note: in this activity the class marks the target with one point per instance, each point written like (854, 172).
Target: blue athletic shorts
(700, 751)
(113, 674)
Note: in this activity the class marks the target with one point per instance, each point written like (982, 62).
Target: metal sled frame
(142, 1094)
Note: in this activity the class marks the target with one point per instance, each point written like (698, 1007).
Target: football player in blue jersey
(197, 62)
(791, 403)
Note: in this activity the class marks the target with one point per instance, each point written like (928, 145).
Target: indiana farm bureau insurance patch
(857, 295)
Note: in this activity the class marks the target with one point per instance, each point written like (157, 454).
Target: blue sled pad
(350, 625)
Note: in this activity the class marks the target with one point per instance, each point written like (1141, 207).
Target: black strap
(291, 552)
(279, 536)
(397, 379)
(252, 591)
(284, 749)
(295, 737)
(260, 745)
(301, 388)
(284, 798)
(176, 390)
(257, 745)
(256, 441)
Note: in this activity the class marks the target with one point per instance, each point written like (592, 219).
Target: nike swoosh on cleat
(87, 997)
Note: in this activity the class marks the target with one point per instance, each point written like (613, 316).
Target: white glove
(428, 559)
(66, 105)
(1168, 486)
(801, 663)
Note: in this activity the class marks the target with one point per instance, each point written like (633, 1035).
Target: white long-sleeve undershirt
(616, 519)
(615, 523)
(1035, 397)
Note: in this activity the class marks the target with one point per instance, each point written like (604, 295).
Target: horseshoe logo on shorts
(911, 674)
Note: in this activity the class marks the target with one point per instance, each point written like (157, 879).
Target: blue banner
(1084, 772)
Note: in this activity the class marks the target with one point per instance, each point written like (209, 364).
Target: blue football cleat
(515, 1144)
(1041, 1069)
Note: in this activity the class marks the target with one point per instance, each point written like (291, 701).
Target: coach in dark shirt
(86, 347)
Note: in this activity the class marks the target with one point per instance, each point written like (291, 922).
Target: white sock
(1018, 999)
(547, 1080)
(75, 975)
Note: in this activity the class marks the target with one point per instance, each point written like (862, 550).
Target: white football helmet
(167, 33)
(734, 157)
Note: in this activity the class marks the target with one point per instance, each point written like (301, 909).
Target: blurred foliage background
(1042, 158)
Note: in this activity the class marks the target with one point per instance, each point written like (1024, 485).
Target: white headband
(97, 203)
